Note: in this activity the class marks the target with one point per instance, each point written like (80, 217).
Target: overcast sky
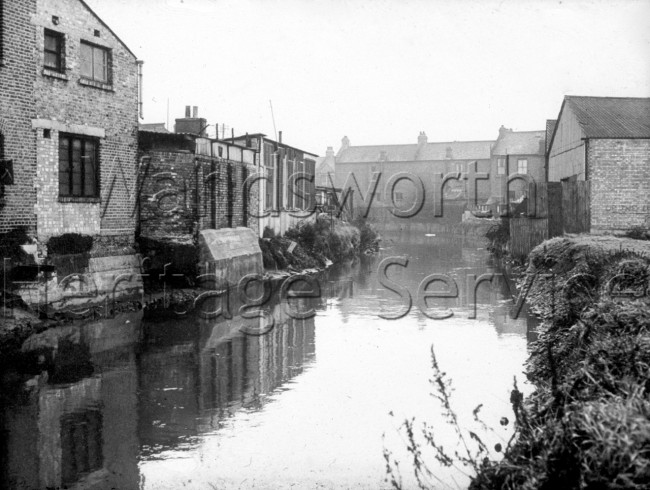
(381, 71)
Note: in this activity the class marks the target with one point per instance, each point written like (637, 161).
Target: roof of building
(453, 150)
(520, 143)
(550, 127)
(262, 135)
(107, 27)
(611, 117)
(153, 127)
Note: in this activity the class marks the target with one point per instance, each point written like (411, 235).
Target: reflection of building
(79, 429)
(192, 376)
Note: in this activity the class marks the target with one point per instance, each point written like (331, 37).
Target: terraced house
(69, 109)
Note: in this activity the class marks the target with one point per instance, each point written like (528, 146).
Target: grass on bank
(587, 424)
(317, 242)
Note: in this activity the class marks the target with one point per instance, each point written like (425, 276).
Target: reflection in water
(196, 403)
(73, 425)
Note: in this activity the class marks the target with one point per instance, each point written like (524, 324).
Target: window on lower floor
(53, 51)
(95, 62)
(522, 166)
(78, 166)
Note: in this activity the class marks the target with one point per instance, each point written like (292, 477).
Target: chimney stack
(345, 143)
(329, 152)
(422, 138)
(191, 123)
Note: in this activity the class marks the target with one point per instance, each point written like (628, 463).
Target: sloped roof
(153, 127)
(107, 27)
(611, 117)
(550, 127)
(520, 143)
(454, 150)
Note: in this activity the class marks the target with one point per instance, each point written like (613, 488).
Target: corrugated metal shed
(612, 117)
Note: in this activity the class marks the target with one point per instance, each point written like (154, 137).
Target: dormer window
(53, 51)
(95, 62)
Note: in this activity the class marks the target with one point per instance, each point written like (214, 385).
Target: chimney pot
(187, 111)
(279, 136)
(195, 112)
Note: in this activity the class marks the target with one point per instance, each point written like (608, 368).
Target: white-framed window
(522, 166)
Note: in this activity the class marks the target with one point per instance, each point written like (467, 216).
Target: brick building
(516, 152)
(287, 191)
(70, 117)
(428, 163)
(69, 109)
(606, 141)
(190, 183)
(325, 168)
(17, 139)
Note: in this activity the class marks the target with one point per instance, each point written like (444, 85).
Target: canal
(190, 402)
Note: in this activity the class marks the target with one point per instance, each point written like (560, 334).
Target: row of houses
(601, 140)
(73, 158)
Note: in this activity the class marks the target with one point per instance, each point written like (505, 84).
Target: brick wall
(66, 102)
(181, 193)
(619, 171)
(16, 112)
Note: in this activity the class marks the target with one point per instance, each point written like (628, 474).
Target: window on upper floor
(95, 62)
(78, 166)
(522, 166)
(501, 166)
(54, 51)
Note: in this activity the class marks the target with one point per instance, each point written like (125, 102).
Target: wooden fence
(554, 208)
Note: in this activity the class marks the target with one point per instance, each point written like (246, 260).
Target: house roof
(520, 143)
(153, 127)
(550, 127)
(262, 135)
(611, 117)
(453, 150)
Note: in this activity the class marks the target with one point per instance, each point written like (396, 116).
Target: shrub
(498, 237)
(69, 243)
(638, 233)
(10, 245)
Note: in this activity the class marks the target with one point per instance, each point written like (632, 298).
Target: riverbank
(587, 424)
(318, 244)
